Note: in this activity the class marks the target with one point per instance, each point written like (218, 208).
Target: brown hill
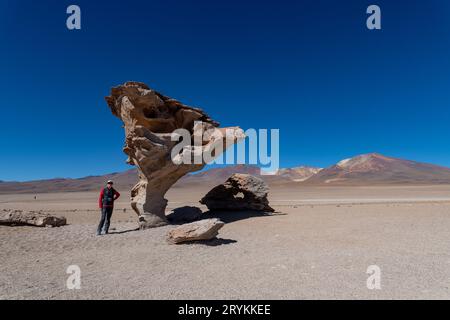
(220, 174)
(375, 168)
(125, 180)
(122, 180)
(298, 174)
(366, 169)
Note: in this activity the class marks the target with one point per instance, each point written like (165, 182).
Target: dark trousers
(105, 220)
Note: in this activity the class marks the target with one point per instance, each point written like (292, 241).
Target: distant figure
(106, 202)
(35, 197)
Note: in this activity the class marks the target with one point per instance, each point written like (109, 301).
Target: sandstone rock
(200, 230)
(32, 218)
(150, 119)
(239, 192)
(184, 214)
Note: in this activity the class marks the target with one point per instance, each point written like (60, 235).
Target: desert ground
(317, 245)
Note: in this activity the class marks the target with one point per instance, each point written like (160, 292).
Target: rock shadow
(228, 216)
(123, 231)
(182, 215)
(212, 242)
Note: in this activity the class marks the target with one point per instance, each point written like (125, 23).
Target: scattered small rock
(31, 218)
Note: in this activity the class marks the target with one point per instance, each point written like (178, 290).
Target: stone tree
(152, 121)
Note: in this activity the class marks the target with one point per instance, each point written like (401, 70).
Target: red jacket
(100, 198)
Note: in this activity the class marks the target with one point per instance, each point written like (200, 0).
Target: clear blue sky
(309, 68)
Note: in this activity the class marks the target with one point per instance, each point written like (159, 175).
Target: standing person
(106, 202)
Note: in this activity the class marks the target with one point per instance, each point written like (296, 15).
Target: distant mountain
(366, 169)
(219, 175)
(125, 180)
(374, 168)
(298, 174)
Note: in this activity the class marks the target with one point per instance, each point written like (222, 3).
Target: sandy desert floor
(318, 245)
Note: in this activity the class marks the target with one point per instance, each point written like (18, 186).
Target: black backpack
(108, 196)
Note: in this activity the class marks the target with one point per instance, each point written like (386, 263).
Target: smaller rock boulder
(200, 230)
(184, 214)
(31, 218)
(239, 192)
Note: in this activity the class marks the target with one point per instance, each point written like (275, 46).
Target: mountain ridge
(127, 179)
(364, 169)
(375, 168)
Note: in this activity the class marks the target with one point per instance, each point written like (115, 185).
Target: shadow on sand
(226, 216)
(123, 231)
(211, 243)
(229, 216)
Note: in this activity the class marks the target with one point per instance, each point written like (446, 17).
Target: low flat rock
(200, 230)
(30, 218)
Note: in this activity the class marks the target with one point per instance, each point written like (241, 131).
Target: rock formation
(200, 230)
(150, 120)
(31, 218)
(239, 192)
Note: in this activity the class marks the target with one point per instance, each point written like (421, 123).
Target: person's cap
(109, 182)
